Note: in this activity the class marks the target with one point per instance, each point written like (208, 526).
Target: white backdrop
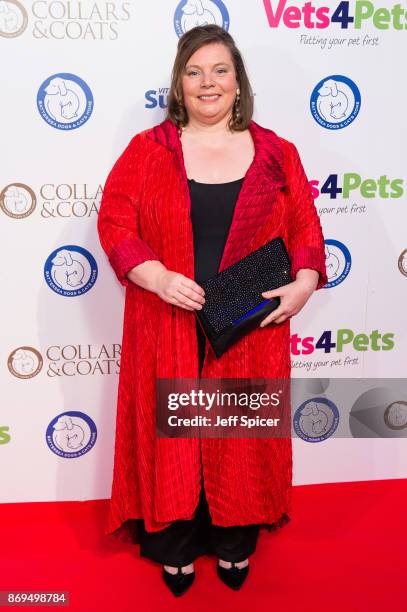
(78, 80)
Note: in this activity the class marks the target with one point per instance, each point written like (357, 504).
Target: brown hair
(190, 42)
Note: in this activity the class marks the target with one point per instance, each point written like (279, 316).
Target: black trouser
(183, 541)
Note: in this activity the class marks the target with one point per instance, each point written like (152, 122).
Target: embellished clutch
(234, 305)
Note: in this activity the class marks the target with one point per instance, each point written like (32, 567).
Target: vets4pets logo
(5, 437)
(343, 15)
(340, 340)
(338, 189)
(351, 184)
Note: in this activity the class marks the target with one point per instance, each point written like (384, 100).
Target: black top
(212, 207)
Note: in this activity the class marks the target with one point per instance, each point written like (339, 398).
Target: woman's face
(209, 83)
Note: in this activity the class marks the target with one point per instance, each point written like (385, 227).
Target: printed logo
(70, 271)
(4, 435)
(381, 411)
(316, 419)
(66, 360)
(65, 101)
(342, 339)
(63, 19)
(83, 359)
(65, 200)
(17, 200)
(351, 182)
(54, 201)
(395, 415)
(335, 102)
(306, 14)
(25, 362)
(71, 434)
(156, 97)
(13, 18)
(338, 262)
(192, 13)
(402, 262)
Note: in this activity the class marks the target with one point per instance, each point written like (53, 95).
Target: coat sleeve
(305, 237)
(118, 221)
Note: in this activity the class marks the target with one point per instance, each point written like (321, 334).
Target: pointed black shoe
(178, 583)
(234, 576)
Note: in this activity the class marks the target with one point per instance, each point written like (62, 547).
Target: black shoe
(178, 583)
(234, 577)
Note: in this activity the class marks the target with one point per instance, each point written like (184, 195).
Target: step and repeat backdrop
(78, 80)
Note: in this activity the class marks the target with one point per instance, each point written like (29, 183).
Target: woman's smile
(209, 98)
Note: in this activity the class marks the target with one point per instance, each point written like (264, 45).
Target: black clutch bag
(234, 305)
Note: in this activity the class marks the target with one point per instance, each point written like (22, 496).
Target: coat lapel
(263, 180)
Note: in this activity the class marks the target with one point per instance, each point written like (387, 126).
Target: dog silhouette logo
(395, 415)
(338, 262)
(380, 411)
(65, 101)
(70, 271)
(13, 18)
(335, 102)
(18, 200)
(316, 419)
(402, 262)
(192, 13)
(25, 362)
(71, 434)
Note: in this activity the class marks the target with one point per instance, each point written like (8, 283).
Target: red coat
(144, 215)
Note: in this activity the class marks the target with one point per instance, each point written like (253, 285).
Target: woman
(186, 199)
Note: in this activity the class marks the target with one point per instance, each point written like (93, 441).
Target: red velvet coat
(145, 214)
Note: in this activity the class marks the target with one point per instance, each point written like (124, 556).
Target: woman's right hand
(172, 287)
(177, 289)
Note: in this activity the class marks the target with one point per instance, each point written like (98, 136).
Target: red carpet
(344, 549)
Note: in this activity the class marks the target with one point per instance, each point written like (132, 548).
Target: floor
(344, 549)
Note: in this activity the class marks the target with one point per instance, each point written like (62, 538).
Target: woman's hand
(177, 289)
(172, 287)
(293, 296)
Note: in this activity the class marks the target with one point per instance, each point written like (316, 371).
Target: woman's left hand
(293, 296)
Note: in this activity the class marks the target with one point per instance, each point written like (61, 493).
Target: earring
(237, 105)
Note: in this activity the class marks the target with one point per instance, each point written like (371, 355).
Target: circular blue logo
(316, 419)
(65, 101)
(338, 262)
(335, 102)
(70, 270)
(71, 434)
(192, 13)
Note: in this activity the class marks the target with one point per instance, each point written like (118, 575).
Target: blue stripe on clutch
(247, 314)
